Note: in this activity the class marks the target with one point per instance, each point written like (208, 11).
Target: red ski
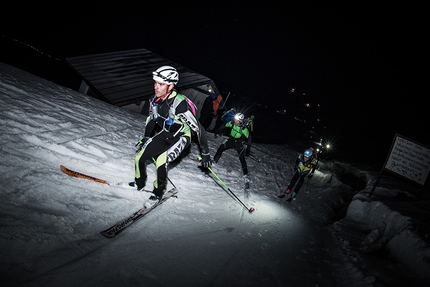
(81, 175)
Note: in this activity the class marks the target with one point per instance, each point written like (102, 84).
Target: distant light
(308, 105)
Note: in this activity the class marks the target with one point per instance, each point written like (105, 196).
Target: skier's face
(161, 89)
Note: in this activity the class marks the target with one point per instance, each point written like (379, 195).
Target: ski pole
(226, 187)
(223, 105)
(249, 209)
(166, 175)
(254, 158)
(307, 184)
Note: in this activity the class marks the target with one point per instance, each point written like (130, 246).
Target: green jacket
(238, 132)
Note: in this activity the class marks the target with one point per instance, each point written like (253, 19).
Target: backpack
(190, 116)
(180, 97)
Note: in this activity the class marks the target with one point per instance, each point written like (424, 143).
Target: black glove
(206, 160)
(141, 143)
(248, 151)
(310, 175)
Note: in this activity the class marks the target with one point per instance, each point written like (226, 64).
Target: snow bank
(391, 230)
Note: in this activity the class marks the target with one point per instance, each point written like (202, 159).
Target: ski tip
(107, 234)
(251, 210)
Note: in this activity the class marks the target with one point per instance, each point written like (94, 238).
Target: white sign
(409, 159)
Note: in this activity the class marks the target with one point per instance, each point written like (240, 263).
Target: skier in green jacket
(239, 139)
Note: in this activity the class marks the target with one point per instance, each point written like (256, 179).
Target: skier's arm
(314, 166)
(150, 123)
(149, 128)
(203, 142)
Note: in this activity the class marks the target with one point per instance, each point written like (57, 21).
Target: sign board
(409, 159)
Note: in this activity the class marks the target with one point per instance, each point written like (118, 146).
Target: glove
(141, 143)
(248, 151)
(310, 175)
(206, 160)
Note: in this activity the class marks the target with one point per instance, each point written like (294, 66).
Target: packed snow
(333, 234)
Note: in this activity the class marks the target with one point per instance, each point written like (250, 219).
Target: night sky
(359, 62)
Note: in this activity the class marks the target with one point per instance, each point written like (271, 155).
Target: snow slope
(50, 222)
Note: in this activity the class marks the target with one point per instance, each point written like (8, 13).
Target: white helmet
(166, 74)
(240, 117)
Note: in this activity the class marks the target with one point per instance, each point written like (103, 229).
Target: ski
(95, 179)
(283, 194)
(289, 197)
(126, 222)
(129, 220)
(81, 175)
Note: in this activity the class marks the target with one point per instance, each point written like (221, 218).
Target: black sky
(357, 60)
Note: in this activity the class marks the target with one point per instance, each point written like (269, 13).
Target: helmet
(166, 74)
(307, 153)
(239, 117)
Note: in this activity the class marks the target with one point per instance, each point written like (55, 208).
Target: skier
(238, 138)
(305, 165)
(215, 104)
(167, 133)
